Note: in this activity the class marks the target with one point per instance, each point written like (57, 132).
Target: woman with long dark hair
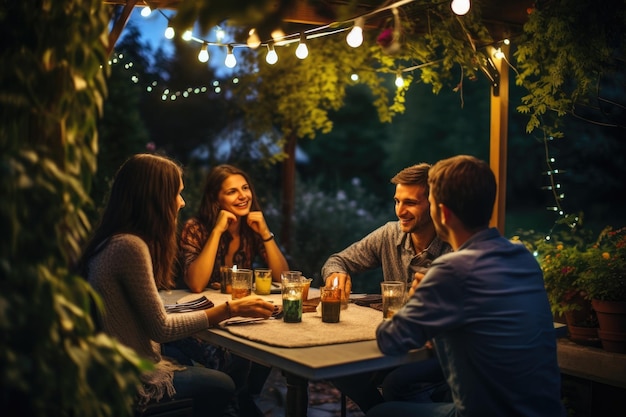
(228, 229)
(130, 256)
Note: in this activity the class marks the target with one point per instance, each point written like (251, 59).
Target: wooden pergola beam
(120, 24)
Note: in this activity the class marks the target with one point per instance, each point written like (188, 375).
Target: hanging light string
(166, 93)
(287, 39)
(354, 25)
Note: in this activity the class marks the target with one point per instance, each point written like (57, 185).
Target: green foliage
(605, 277)
(51, 362)
(567, 47)
(574, 264)
(326, 223)
(295, 96)
(562, 260)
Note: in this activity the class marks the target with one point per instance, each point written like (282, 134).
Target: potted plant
(562, 260)
(604, 282)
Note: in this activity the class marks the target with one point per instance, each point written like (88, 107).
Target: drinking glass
(262, 281)
(331, 304)
(393, 297)
(241, 283)
(226, 282)
(292, 288)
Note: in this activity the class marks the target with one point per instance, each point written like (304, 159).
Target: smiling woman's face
(235, 195)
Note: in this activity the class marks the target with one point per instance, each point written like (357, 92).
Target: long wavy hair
(210, 206)
(143, 202)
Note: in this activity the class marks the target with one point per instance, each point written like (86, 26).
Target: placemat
(356, 324)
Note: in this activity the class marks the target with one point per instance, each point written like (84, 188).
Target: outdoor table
(305, 351)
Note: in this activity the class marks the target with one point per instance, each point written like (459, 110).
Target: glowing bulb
(219, 34)
(230, 60)
(354, 77)
(271, 57)
(145, 12)
(498, 54)
(355, 37)
(169, 32)
(460, 7)
(253, 39)
(187, 35)
(203, 55)
(399, 80)
(278, 36)
(302, 51)
(506, 42)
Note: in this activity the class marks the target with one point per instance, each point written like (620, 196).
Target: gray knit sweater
(134, 314)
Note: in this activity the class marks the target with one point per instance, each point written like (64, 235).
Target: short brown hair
(414, 175)
(467, 186)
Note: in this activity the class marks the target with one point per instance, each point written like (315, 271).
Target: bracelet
(230, 315)
(269, 238)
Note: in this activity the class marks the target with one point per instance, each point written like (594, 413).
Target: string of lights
(354, 38)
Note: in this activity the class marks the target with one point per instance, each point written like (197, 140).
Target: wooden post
(498, 137)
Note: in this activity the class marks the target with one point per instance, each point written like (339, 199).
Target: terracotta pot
(611, 315)
(613, 341)
(612, 324)
(586, 336)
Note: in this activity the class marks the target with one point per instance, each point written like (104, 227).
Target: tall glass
(262, 281)
(292, 288)
(393, 297)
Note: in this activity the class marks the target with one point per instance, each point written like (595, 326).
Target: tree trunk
(289, 191)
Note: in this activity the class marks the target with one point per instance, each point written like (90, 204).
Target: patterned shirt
(387, 247)
(195, 235)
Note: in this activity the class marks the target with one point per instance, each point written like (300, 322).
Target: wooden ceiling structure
(503, 18)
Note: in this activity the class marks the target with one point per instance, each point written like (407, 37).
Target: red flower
(385, 38)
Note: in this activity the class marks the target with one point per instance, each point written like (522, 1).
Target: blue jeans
(213, 392)
(401, 408)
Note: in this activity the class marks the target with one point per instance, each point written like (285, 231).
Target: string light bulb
(187, 35)
(355, 37)
(460, 7)
(169, 33)
(302, 51)
(271, 57)
(145, 12)
(203, 55)
(399, 79)
(498, 54)
(219, 34)
(253, 39)
(230, 60)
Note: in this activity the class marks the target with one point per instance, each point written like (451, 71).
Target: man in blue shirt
(483, 305)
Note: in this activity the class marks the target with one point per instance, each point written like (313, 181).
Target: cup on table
(331, 304)
(226, 281)
(292, 288)
(306, 282)
(393, 297)
(291, 274)
(262, 281)
(241, 283)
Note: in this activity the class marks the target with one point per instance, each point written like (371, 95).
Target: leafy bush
(605, 276)
(52, 363)
(325, 223)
